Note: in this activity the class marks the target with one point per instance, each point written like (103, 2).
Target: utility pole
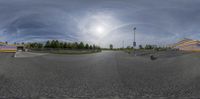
(123, 44)
(134, 43)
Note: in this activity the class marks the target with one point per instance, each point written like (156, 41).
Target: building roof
(188, 44)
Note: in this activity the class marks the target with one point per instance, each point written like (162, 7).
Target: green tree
(148, 47)
(57, 44)
(39, 45)
(90, 47)
(75, 45)
(48, 44)
(87, 46)
(61, 45)
(52, 44)
(81, 45)
(65, 45)
(140, 47)
(69, 45)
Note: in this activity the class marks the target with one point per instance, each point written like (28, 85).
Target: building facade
(188, 45)
(4, 47)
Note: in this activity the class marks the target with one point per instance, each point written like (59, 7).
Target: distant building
(4, 47)
(188, 45)
(20, 47)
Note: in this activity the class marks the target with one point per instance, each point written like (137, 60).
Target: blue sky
(100, 21)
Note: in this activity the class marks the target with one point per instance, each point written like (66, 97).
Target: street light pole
(123, 44)
(134, 43)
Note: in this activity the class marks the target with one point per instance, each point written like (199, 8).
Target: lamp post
(123, 44)
(134, 43)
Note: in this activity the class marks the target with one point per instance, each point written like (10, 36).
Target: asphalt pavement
(109, 74)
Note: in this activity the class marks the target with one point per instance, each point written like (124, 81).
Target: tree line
(141, 47)
(55, 44)
(155, 47)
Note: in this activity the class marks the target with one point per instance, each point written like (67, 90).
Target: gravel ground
(106, 75)
(27, 54)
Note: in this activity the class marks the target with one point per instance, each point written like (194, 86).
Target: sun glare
(100, 30)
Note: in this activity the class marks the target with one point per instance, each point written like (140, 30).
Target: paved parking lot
(101, 75)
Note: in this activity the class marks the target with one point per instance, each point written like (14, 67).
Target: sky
(102, 22)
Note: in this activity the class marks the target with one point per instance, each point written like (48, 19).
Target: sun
(100, 29)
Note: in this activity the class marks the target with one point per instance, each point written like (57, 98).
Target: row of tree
(55, 44)
(155, 47)
(146, 47)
